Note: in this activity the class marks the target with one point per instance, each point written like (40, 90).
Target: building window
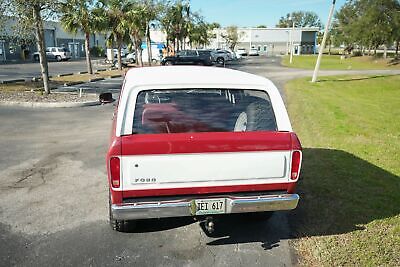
(259, 48)
(265, 48)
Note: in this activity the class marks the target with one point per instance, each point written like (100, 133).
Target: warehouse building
(272, 41)
(14, 46)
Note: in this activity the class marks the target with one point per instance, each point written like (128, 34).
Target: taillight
(296, 161)
(115, 172)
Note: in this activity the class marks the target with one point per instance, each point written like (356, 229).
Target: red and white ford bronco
(194, 141)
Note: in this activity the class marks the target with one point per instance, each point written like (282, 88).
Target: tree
(81, 15)
(367, 23)
(300, 19)
(3, 11)
(175, 21)
(200, 32)
(115, 13)
(231, 36)
(149, 12)
(30, 14)
(261, 26)
(137, 29)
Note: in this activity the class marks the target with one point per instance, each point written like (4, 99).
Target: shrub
(97, 51)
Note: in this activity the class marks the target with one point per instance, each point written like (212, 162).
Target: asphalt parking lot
(32, 69)
(54, 200)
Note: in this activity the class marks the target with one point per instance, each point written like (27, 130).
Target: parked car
(242, 52)
(123, 53)
(195, 141)
(131, 57)
(54, 53)
(222, 56)
(188, 57)
(253, 52)
(237, 55)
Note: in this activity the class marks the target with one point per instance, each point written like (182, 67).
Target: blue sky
(247, 13)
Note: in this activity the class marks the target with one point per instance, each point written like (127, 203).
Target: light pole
(321, 47)
(287, 43)
(291, 41)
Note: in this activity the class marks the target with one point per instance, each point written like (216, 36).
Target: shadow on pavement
(249, 228)
(157, 225)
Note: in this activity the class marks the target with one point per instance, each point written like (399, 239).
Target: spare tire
(260, 116)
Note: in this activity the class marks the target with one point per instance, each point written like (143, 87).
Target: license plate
(208, 206)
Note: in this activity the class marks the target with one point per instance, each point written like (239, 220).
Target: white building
(12, 46)
(271, 41)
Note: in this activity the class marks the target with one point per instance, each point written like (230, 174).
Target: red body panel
(146, 144)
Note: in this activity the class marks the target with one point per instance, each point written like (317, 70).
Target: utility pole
(291, 41)
(321, 47)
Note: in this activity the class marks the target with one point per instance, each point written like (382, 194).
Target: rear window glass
(203, 110)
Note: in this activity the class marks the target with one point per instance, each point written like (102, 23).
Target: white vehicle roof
(176, 77)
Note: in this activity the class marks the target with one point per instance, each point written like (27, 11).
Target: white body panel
(178, 77)
(204, 169)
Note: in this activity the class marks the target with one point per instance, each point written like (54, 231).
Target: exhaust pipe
(209, 224)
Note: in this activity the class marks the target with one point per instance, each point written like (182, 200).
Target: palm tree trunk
(384, 51)
(41, 46)
(87, 50)
(136, 51)
(119, 56)
(397, 47)
(148, 42)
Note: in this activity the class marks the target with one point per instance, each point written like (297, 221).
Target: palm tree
(118, 25)
(150, 12)
(80, 15)
(137, 28)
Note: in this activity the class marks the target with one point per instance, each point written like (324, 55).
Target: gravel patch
(51, 98)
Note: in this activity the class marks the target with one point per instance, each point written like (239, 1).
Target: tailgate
(161, 161)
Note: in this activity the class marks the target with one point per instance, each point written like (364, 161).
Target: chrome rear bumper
(181, 207)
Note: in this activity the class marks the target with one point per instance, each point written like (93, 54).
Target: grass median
(334, 62)
(37, 86)
(349, 213)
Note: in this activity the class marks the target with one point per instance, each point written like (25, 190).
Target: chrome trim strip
(182, 207)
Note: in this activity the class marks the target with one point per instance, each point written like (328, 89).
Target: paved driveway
(53, 198)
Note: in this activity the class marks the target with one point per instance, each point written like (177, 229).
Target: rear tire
(221, 60)
(116, 225)
(168, 63)
(36, 58)
(58, 58)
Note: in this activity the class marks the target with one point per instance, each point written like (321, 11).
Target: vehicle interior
(202, 110)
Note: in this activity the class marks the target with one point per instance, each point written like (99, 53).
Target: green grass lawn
(335, 63)
(349, 212)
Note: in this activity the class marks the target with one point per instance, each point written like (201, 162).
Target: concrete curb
(96, 79)
(101, 69)
(73, 83)
(114, 76)
(12, 81)
(50, 104)
(64, 74)
(82, 72)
